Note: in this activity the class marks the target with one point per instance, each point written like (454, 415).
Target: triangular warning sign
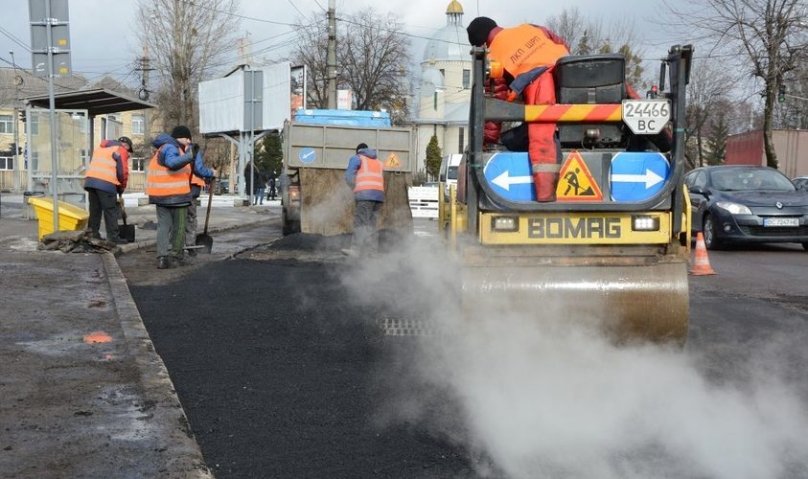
(575, 182)
(392, 161)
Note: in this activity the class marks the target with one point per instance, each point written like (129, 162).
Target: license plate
(781, 221)
(646, 117)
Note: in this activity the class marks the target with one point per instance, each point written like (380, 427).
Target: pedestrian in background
(168, 184)
(365, 174)
(104, 180)
(272, 191)
(200, 176)
(260, 188)
(250, 174)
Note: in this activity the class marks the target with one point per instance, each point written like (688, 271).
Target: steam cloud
(540, 397)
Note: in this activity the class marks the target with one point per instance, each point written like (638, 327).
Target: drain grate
(406, 327)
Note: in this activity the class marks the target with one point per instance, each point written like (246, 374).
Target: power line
(295, 7)
(245, 17)
(14, 39)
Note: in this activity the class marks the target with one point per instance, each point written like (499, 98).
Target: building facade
(443, 91)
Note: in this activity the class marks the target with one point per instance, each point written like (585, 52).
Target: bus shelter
(76, 113)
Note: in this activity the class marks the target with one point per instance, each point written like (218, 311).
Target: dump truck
(612, 248)
(317, 145)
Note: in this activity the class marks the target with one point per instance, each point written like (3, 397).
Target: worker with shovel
(199, 177)
(105, 178)
(168, 184)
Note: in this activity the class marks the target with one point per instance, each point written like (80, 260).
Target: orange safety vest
(103, 166)
(523, 48)
(195, 180)
(370, 175)
(165, 182)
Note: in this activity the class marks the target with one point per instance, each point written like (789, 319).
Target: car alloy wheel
(711, 240)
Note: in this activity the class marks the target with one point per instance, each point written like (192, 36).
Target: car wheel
(805, 246)
(711, 239)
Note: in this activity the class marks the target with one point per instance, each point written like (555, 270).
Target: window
(6, 124)
(138, 124)
(138, 164)
(34, 122)
(460, 138)
(6, 163)
(466, 79)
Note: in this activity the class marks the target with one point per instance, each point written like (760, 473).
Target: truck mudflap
(630, 296)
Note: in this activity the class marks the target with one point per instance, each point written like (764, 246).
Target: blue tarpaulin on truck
(371, 119)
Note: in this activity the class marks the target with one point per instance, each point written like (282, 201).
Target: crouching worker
(168, 184)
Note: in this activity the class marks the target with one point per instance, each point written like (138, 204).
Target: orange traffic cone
(701, 263)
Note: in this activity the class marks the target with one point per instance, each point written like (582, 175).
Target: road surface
(277, 357)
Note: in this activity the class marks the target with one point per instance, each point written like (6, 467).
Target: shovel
(203, 240)
(125, 231)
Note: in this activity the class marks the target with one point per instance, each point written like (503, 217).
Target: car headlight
(733, 208)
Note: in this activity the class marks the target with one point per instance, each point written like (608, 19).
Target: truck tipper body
(317, 145)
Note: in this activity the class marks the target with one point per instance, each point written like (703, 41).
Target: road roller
(605, 241)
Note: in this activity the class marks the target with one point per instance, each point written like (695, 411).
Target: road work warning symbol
(392, 161)
(575, 182)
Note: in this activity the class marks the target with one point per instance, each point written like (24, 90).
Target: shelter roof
(96, 102)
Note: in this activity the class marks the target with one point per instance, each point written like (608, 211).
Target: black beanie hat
(181, 131)
(478, 30)
(361, 146)
(127, 141)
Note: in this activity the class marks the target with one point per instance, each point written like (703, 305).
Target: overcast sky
(102, 42)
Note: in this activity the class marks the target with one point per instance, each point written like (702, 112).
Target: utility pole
(144, 67)
(332, 56)
(17, 84)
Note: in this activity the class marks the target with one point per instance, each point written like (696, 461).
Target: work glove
(119, 189)
(491, 131)
(195, 149)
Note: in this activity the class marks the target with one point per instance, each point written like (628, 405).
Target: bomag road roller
(611, 249)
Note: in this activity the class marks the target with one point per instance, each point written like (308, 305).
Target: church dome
(450, 42)
(454, 7)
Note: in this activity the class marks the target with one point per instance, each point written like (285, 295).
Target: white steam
(541, 397)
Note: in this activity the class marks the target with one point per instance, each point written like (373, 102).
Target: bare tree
(186, 39)
(770, 35)
(586, 36)
(709, 86)
(310, 50)
(373, 61)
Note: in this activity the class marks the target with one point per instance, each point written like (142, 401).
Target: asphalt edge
(126, 248)
(183, 454)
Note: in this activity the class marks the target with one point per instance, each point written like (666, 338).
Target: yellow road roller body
(612, 249)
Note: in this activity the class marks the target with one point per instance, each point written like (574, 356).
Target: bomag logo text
(565, 228)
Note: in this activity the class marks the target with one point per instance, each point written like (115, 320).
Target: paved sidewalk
(82, 391)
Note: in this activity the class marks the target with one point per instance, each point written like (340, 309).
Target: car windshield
(452, 173)
(741, 179)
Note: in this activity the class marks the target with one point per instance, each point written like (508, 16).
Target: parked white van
(449, 166)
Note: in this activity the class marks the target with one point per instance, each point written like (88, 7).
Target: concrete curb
(183, 455)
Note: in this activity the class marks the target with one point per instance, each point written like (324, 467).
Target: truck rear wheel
(289, 226)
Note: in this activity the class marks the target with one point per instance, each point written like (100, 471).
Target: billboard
(226, 104)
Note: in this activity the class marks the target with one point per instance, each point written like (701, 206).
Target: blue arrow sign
(509, 175)
(638, 176)
(307, 156)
